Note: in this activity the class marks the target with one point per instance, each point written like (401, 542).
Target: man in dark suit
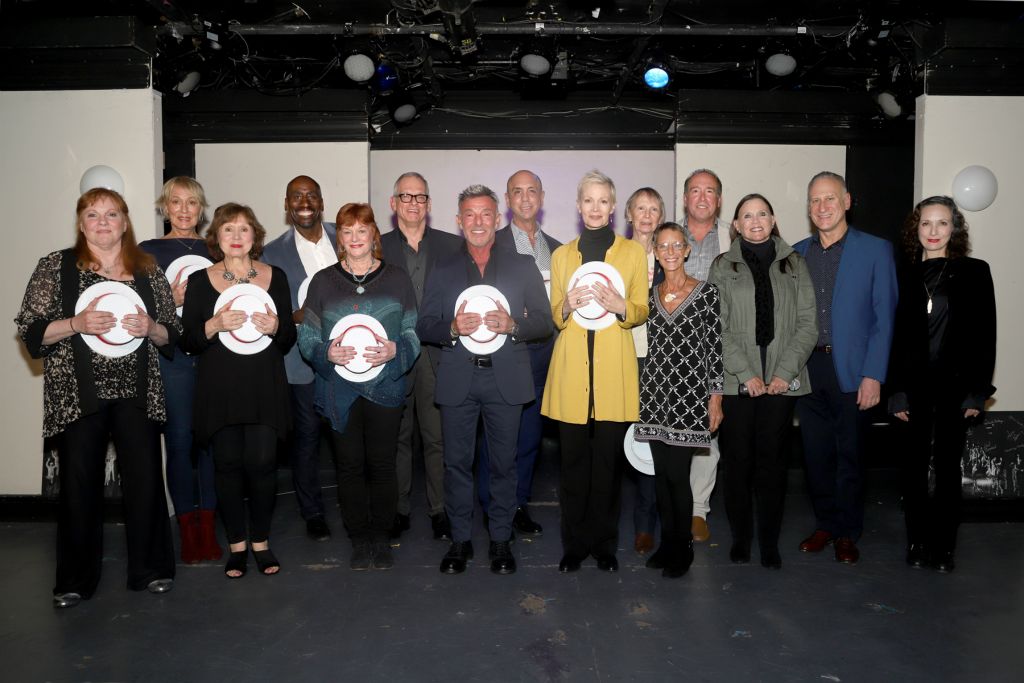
(306, 248)
(854, 280)
(524, 197)
(416, 247)
(495, 386)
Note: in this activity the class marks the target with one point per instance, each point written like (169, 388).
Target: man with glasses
(416, 247)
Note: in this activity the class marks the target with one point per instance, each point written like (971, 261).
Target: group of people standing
(715, 335)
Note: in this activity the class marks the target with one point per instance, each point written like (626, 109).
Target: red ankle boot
(190, 548)
(209, 548)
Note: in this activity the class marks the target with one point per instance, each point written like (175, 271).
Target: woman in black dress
(940, 375)
(241, 406)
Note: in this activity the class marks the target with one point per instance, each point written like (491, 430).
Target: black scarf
(759, 258)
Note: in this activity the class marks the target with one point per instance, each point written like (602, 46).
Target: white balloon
(102, 176)
(975, 188)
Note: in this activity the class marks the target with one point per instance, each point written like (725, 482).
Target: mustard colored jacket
(616, 379)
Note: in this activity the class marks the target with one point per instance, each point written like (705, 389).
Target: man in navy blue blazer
(524, 196)
(494, 385)
(854, 278)
(306, 248)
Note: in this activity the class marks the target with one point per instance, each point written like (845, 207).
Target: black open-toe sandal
(265, 560)
(237, 561)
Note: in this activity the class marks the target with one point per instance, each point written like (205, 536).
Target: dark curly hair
(226, 213)
(959, 241)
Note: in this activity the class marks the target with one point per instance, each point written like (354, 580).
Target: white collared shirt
(315, 256)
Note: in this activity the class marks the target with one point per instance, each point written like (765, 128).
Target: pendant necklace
(107, 270)
(184, 242)
(231, 277)
(672, 296)
(359, 280)
(937, 281)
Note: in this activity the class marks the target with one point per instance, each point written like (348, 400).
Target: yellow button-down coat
(616, 387)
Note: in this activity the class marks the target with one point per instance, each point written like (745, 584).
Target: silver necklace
(231, 277)
(360, 280)
(937, 281)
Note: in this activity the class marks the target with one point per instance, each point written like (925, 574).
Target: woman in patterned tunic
(89, 398)
(680, 391)
(769, 329)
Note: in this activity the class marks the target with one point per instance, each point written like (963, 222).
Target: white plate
(186, 265)
(638, 452)
(482, 299)
(119, 299)
(300, 296)
(593, 316)
(247, 297)
(357, 330)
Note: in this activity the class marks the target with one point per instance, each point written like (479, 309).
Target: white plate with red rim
(120, 300)
(247, 297)
(638, 452)
(300, 296)
(358, 330)
(482, 299)
(186, 265)
(594, 316)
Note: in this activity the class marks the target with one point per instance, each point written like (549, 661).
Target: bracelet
(71, 324)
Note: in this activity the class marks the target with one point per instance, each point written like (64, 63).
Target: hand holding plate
(499, 320)
(227, 320)
(609, 299)
(378, 355)
(266, 323)
(466, 323)
(138, 324)
(338, 354)
(178, 289)
(577, 297)
(91, 321)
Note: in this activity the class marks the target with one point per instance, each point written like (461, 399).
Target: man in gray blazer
(306, 248)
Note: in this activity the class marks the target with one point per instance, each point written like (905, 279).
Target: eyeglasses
(665, 246)
(405, 198)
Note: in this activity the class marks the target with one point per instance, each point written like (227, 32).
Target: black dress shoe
(917, 556)
(943, 562)
(570, 563)
(740, 552)
(401, 524)
(658, 559)
(317, 529)
(607, 563)
(679, 562)
(459, 553)
(770, 558)
(441, 526)
(524, 524)
(502, 561)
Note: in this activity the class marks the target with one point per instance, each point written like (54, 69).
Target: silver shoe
(160, 585)
(65, 600)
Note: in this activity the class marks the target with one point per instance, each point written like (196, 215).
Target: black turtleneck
(759, 258)
(594, 243)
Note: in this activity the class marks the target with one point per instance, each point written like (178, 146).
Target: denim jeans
(179, 376)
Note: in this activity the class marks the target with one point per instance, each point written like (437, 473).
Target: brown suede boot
(190, 548)
(209, 549)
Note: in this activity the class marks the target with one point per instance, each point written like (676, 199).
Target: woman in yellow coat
(592, 388)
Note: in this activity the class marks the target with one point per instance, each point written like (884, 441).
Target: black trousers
(590, 486)
(367, 482)
(753, 439)
(82, 450)
(245, 461)
(672, 491)
(937, 432)
(833, 433)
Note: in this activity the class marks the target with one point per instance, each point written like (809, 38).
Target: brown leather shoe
(816, 542)
(846, 551)
(699, 529)
(644, 542)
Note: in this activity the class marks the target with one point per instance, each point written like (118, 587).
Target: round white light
(188, 83)
(404, 113)
(101, 176)
(535, 65)
(656, 77)
(359, 68)
(780, 64)
(887, 101)
(975, 188)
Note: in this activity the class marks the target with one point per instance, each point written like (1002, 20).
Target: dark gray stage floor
(816, 620)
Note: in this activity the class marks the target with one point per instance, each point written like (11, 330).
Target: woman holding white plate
(97, 314)
(593, 383)
(179, 253)
(242, 406)
(359, 335)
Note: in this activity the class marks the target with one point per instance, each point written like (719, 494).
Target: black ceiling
(458, 47)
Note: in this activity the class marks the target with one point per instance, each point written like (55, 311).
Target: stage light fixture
(780, 64)
(358, 67)
(535, 64)
(385, 78)
(656, 76)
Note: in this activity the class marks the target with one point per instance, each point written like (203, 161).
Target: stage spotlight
(889, 104)
(535, 64)
(385, 78)
(656, 76)
(188, 83)
(780, 64)
(359, 68)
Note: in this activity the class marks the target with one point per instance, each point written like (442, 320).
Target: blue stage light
(656, 76)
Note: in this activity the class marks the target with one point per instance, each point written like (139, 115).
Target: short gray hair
(831, 176)
(697, 172)
(411, 174)
(595, 177)
(474, 191)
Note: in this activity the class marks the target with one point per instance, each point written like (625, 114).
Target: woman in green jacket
(769, 329)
